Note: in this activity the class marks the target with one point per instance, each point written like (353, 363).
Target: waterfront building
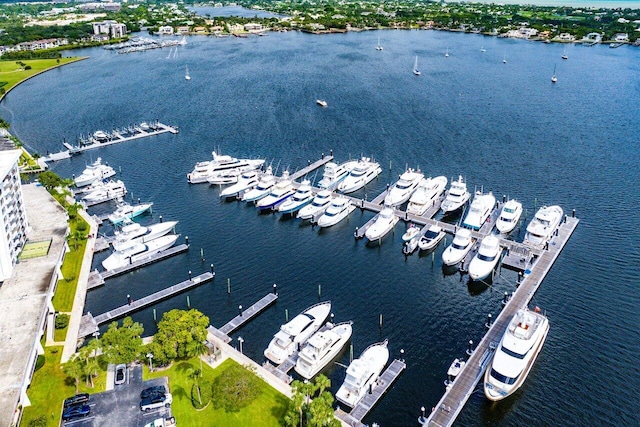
(165, 30)
(42, 44)
(112, 28)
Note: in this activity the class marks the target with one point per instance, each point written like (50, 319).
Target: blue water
(505, 127)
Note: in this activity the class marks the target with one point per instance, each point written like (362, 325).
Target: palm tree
(91, 370)
(322, 382)
(194, 375)
(73, 369)
(196, 349)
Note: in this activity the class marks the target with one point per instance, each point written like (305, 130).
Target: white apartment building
(13, 219)
(112, 28)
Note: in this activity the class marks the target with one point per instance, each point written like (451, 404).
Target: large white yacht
(126, 211)
(362, 174)
(278, 194)
(480, 209)
(321, 348)
(246, 181)
(338, 210)
(516, 353)
(543, 224)
(457, 196)
(427, 193)
(402, 190)
(334, 173)
(105, 191)
(486, 259)
(220, 164)
(133, 233)
(509, 216)
(94, 172)
(362, 374)
(300, 198)
(318, 205)
(295, 332)
(383, 224)
(431, 238)
(138, 252)
(459, 248)
(263, 187)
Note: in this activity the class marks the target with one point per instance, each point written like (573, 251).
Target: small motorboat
(411, 232)
(459, 248)
(411, 245)
(321, 102)
(509, 216)
(453, 371)
(431, 238)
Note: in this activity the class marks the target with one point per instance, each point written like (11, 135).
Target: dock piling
(202, 254)
(211, 267)
(275, 289)
(470, 348)
(155, 319)
(319, 291)
(189, 274)
(186, 240)
(380, 321)
(228, 286)
(488, 324)
(188, 302)
(286, 315)
(240, 310)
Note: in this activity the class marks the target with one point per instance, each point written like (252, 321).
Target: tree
(235, 388)
(49, 180)
(73, 369)
(4, 124)
(176, 330)
(194, 375)
(307, 408)
(321, 383)
(196, 349)
(122, 344)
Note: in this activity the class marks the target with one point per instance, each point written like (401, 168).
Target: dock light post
(150, 357)
(240, 310)
(422, 419)
(275, 289)
(470, 349)
(240, 340)
(96, 334)
(211, 268)
(189, 274)
(488, 324)
(402, 354)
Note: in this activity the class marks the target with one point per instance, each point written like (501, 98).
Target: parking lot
(121, 406)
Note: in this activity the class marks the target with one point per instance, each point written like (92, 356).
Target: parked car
(121, 374)
(75, 411)
(153, 390)
(162, 422)
(156, 401)
(76, 400)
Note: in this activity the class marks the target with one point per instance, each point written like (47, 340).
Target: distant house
(252, 27)
(621, 37)
(111, 28)
(165, 30)
(566, 37)
(200, 30)
(41, 44)
(182, 30)
(100, 38)
(234, 28)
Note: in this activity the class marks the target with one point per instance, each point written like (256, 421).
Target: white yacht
(459, 248)
(411, 232)
(426, 195)
(280, 192)
(94, 172)
(362, 374)
(263, 187)
(127, 211)
(321, 102)
(453, 371)
(229, 176)
(410, 245)
(516, 353)
(486, 259)
(543, 225)
(300, 198)
(105, 191)
(457, 196)
(246, 181)
(321, 348)
(362, 174)
(402, 190)
(509, 216)
(295, 332)
(138, 252)
(384, 223)
(334, 173)
(431, 238)
(480, 209)
(133, 233)
(338, 210)
(318, 205)
(220, 164)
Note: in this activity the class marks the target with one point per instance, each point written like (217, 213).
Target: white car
(156, 401)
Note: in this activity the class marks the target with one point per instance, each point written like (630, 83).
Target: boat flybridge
(296, 332)
(338, 210)
(318, 205)
(456, 197)
(384, 223)
(221, 164)
(459, 248)
(542, 226)
(105, 191)
(480, 209)
(138, 252)
(302, 197)
(363, 373)
(96, 171)
(280, 192)
(516, 353)
(127, 211)
(133, 233)
(335, 173)
(486, 259)
(266, 181)
(246, 181)
(321, 348)
(362, 173)
(509, 216)
(402, 190)
(426, 195)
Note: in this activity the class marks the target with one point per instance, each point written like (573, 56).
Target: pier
(243, 317)
(450, 405)
(89, 324)
(312, 166)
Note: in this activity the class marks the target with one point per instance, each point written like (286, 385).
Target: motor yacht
(318, 205)
(263, 187)
(486, 259)
(219, 165)
(384, 223)
(480, 209)
(138, 252)
(334, 173)
(321, 348)
(302, 197)
(456, 197)
(127, 211)
(133, 233)
(363, 373)
(426, 195)
(402, 190)
(543, 225)
(459, 248)
(280, 192)
(321, 102)
(411, 232)
(509, 216)
(338, 210)
(296, 332)
(453, 371)
(246, 181)
(229, 176)
(431, 238)
(105, 191)
(96, 171)
(516, 353)
(362, 174)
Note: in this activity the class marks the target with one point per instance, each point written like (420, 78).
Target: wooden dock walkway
(89, 324)
(388, 377)
(450, 405)
(242, 318)
(159, 129)
(312, 166)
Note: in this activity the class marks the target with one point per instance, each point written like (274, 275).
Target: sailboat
(483, 50)
(446, 55)
(554, 78)
(186, 73)
(379, 47)
(415, 67)
(564, 55)
(170, 51)
(504, 59)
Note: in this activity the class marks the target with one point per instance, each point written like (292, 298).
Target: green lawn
(66, 288)
(267, 410)
(59, 335)
(12, 73)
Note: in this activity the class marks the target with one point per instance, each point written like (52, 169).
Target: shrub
(62, 321)
(41, 421)
(235, 388)
(82, 226)
(40, 361)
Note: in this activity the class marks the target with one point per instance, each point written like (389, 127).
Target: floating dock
(242, 318)
(312, 166)
(89, 324)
